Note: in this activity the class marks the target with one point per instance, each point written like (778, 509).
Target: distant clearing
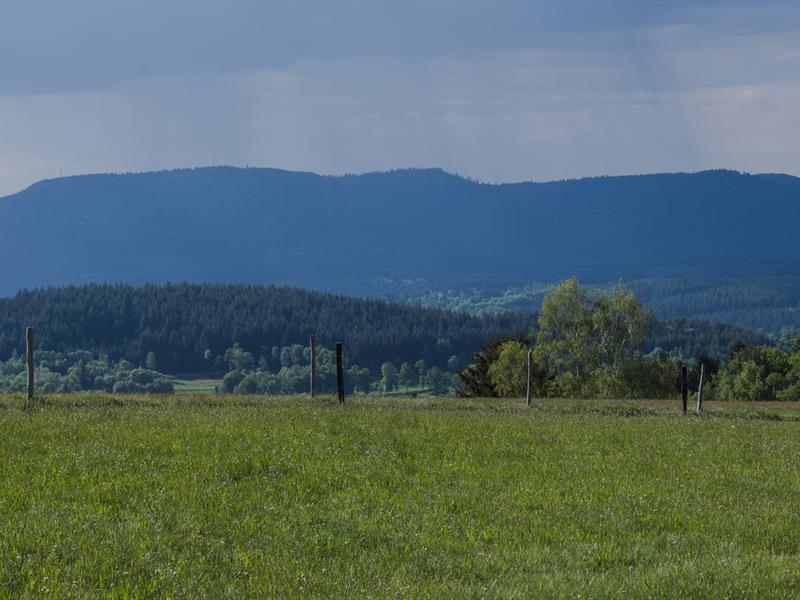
(187, 384)
(231, 496)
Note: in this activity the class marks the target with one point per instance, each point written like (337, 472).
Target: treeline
(768, 304)
(589, 344)
(183, 324)
(180, 323)
(757, 373)
(62, 372)
(694, 337)
(274, 371)
(287, 371)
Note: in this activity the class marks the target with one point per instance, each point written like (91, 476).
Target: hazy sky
(496, 91)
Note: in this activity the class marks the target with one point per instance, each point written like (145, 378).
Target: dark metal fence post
(29, 351)
(339, 373)
(684, 387)
(313, 359)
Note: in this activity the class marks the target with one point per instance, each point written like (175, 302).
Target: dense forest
(185, 324)
(768, 303)
(182, 324)
(694, 337)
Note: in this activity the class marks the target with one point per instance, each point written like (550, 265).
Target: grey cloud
(639, 99)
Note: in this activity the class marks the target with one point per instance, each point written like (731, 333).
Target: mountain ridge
(782, 177)
(257, 225)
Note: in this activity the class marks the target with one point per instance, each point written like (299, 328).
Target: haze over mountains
(225, 224)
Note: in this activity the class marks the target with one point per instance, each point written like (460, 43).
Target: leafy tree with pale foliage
(758, 373)
(509, 371)
(239, 360)
(438, 382)
(475, 379)
(389, 377)
(406, 377)
(422, 367)
(588, 336)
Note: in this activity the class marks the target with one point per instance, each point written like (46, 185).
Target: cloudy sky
(496, 91)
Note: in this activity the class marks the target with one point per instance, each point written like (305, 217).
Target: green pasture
(188, 384)
(192, 496)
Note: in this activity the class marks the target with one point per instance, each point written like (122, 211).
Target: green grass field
(192, 384)
(212, 496)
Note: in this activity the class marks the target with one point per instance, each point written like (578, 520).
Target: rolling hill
(225, 224)
(178, 323)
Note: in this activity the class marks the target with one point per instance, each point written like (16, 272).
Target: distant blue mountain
(226, 224)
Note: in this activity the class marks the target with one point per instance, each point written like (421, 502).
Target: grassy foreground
(208, 496)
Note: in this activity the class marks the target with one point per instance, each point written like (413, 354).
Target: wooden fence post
(29, 352)
(312, 342)
(684, 387)
(700, 387)
(339, 373)
(530, 375)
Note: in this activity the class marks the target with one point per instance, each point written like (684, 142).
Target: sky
(496, 91)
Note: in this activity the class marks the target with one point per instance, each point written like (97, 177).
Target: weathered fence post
(684, 387)
(700, 387)
(29, 350)
(530, 375)
(339, 373)
(312, 342)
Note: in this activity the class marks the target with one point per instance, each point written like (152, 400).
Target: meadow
(191, 384)
(224, 496)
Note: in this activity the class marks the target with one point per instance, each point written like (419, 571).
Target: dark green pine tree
(475, 380)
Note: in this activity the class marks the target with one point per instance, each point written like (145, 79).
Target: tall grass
(205, 496)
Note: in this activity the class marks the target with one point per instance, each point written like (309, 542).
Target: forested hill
(178, 323)
(267, 226)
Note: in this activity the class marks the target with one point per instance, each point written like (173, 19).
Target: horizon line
(391, 171)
